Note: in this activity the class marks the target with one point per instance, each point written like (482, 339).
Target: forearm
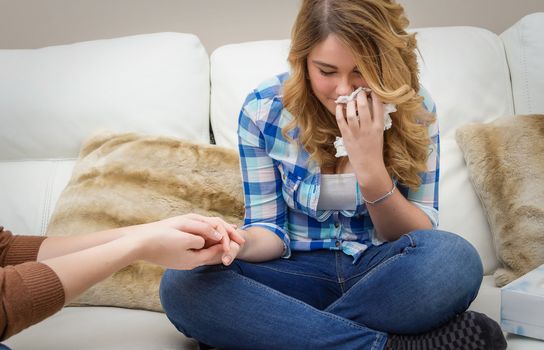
(80, 270)
(62, 245)
(261, 245)
(395, 215)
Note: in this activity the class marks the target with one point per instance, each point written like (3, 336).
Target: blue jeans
(321, 300)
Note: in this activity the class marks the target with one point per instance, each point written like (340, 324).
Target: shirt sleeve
(261, 180)
(18, 249)
(426, 196)
(31, 291)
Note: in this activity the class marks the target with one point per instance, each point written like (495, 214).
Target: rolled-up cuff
(280, 232)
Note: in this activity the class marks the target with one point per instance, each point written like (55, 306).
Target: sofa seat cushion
(105, 328)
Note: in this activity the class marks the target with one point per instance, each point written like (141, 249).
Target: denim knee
(177, 295)
(458, 261)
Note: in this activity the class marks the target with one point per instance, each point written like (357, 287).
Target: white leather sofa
(53, 98)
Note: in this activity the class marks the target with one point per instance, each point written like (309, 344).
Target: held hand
(219, 256)
(182, 242)
(361, 125)
(227, 231)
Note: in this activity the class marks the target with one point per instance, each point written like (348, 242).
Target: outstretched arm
(178, 242)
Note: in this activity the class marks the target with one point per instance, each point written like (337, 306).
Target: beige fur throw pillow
(129, 179)
(505, 160)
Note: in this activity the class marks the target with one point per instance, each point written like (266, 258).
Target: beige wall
(38, 23)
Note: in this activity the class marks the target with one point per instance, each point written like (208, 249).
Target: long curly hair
(385, 54)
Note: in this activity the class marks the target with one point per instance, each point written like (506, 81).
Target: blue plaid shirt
(282, 185)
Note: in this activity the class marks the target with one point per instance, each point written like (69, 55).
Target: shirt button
(337, 244)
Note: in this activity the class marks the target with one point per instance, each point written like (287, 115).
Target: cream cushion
(524, 47)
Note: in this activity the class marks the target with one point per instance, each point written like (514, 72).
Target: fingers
(215, 221)
(225, 242)
(234, 248)
(200, 228)
(363, 109)
(352, 116)
(208, 256)
(195, 242)
(341, 120)
(237, 237)
(378, 110)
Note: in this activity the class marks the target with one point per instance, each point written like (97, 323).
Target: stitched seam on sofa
(22, 160)
(47, 200)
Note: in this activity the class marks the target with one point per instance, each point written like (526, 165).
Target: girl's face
(332, 71)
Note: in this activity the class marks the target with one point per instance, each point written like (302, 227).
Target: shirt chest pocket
(290, 187)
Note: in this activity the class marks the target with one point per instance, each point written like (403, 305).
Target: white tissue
(340, 150)
(388, 108)
(351, 97)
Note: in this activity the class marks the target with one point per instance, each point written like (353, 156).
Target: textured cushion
(524, 47)
(506, 167)
(128, 179)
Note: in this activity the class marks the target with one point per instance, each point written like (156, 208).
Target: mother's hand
(224, 232)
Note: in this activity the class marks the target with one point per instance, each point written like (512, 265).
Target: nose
(344, 87)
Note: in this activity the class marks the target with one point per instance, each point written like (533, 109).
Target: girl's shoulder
(264, 102)
(429, 105)
(428, 102)
(270, 88)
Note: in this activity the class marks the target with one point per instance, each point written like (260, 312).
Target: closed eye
(326, 73)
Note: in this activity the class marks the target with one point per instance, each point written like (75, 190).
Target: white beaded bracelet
(385, 196)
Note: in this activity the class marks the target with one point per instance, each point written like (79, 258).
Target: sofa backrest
(525, 53)
(51, 99)
(466, 72)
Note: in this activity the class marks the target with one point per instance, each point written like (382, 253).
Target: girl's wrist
(243, 248)
(373, 176)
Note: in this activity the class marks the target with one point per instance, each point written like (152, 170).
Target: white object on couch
(522, 305)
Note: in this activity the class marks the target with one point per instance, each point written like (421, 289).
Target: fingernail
(217, 235)
(226, 259)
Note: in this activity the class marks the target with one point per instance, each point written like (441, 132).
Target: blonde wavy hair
(385, 54)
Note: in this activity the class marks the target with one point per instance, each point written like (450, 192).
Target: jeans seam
(348, 322)
(368, 275)
(377, 341)
(412, 242)
(298, 274)
(372, 268)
